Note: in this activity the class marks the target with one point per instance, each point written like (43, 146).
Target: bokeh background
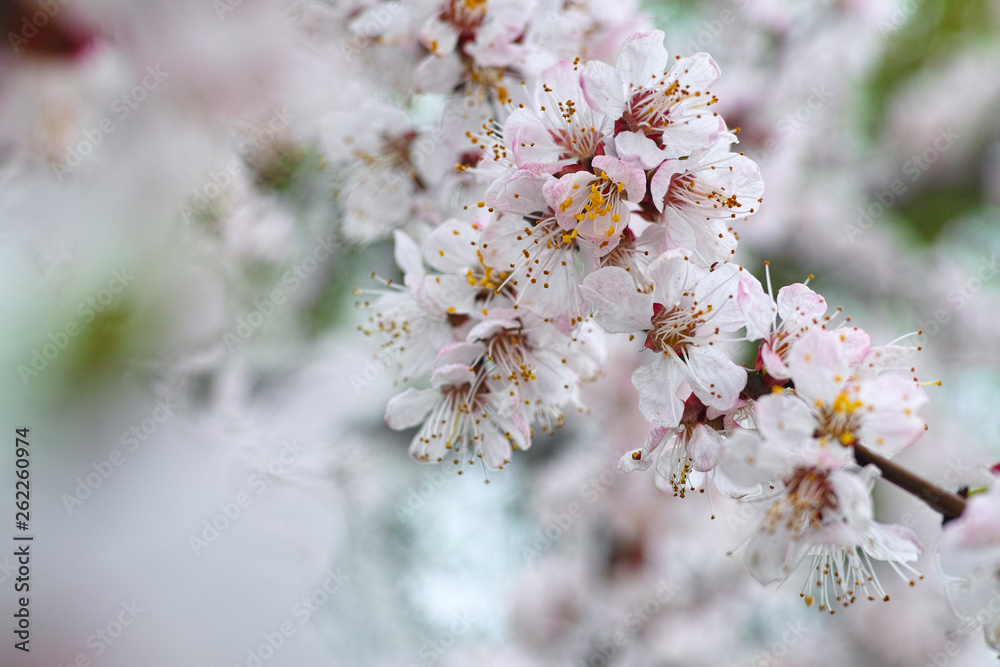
(212, 479)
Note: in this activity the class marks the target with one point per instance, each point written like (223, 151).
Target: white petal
(410, 407)
(660, 183)
(757, 307)
(714, 377)
(817, 365)
(672, 273)
(451, 247)
(490, 327)
(697, 72)
(620, 171)
(638, 149)
(704, 448)
(798, 302)
(521, 192)
(407, 255)
(642, 58)
(465, 354)
(629, 462)
(603, 89)
(785, 420)
(892, 542)
(529, 139)
(750, 463)
(772, 555)
(719, 289)
(452, 375)
(657, 383)
(439, 37)
(618, 306)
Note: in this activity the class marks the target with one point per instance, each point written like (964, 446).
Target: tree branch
(947, 504)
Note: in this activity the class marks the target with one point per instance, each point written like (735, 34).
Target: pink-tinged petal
(563, 79)
(521, 193)
(704, 448)
(521, 433)
(798, 302)
(698, 72)
(639, 150)
(490, 327)
(622, 172)
(642, 58)
(603, 231)
(785, 420)
(672, 273)
(465, 354)
(972, 541)
(714, 377)
(565, 199)
(496, 449)
(856, 343)
(452, 375)
(773, 363)
(603, 89)
(694, 131)
(659, 185)
(657, 383)
(409, 408)
(642, 458)
(529, 140)
(892, 422)
(618, 306)
(757, 307)
(818, 367)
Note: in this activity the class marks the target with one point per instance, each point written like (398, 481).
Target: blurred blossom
(345, 330)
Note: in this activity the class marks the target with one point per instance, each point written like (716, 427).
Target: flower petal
(410, 407)
(618, 306)
(657, 383)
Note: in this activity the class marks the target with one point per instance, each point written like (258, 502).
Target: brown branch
(947, 504)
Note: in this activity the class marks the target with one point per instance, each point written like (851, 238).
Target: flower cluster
(585, 199)
(607, 189)
(548, 179)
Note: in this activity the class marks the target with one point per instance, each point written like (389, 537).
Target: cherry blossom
(969, 556)
(662, 113)
(684, 316)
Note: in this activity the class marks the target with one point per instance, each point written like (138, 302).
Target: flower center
(807, 498)
(840, 421)
(673, 329)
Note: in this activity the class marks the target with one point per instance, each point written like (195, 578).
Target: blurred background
(212, 479)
